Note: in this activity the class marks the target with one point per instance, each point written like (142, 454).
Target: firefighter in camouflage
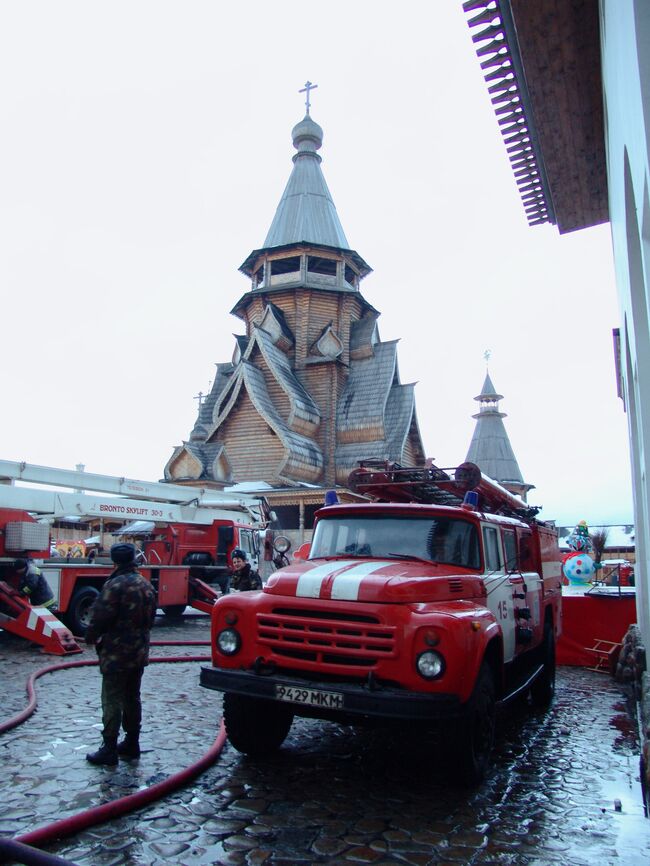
(243, 576)
(120, 626)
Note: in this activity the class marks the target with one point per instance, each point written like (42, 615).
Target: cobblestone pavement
(332, 794)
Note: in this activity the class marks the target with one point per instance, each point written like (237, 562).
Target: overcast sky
(145, 147)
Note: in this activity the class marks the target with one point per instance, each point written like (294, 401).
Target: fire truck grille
(326, 637)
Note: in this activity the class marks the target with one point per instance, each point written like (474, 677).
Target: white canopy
(136, 527)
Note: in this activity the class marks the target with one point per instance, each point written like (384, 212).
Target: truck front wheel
(77, 616)
(254, 726)
(475, 736)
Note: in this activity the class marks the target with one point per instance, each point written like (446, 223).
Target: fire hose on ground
(20, 849)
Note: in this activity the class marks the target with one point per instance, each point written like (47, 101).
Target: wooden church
(311, 389)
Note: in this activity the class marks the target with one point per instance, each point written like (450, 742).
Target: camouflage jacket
(246, 578)
(121, 620)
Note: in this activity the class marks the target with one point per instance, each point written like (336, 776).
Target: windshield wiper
(410, 557)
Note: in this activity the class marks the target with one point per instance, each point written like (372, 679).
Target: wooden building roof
(541, 62)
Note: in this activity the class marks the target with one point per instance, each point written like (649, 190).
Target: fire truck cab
(428, 606)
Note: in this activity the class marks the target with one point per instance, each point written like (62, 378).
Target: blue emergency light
(470, 502)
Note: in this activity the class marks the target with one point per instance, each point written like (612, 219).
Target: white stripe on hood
(345, 586)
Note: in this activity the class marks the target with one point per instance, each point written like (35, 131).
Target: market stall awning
(136, 527)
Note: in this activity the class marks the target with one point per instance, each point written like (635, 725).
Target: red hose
(31, 691)
(18, 853)
(20, 717)
(116, 808)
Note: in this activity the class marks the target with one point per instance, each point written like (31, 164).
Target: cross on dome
(308, 86)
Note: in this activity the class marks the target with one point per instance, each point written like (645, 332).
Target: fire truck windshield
(446, 540)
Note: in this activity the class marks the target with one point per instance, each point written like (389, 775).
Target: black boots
(106, 754)
(129, 747)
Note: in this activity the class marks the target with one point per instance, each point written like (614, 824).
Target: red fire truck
(192, 533)
(432, 604)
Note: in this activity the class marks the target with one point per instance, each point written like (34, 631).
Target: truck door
(247, 539)
(532, 581)
(498, 587)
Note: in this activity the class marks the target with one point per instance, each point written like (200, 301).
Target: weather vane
(308, 86)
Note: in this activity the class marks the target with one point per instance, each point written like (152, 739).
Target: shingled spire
(306, 211)
(305, 225)
(490, 447)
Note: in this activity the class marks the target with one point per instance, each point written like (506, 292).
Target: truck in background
(185, 556)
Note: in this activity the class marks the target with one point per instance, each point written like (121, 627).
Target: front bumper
(359, 700)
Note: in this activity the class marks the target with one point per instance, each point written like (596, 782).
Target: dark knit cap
(122, 553)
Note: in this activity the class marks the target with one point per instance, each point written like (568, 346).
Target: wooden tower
(311, 389)
(490, 447)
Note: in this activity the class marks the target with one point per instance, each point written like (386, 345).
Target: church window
(321, 266)
(285, 266)
(259, 276)
(350, 276)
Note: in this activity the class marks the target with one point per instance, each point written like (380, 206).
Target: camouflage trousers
(121, 705)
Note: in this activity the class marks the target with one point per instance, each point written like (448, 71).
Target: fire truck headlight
(430, 665)
(228, 641)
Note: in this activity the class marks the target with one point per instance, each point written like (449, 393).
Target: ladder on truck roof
(133, 499)
(389, 482)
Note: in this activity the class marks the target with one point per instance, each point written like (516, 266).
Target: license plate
(310, 697)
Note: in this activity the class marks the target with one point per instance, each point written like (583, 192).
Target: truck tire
(254, 726)
(542, 690)
(198, 558)
(474, 738)
(77, 616)
(174, 611)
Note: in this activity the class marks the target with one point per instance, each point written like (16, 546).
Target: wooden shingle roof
(302, 403)
(363, 401)
(302, 451)
(400, 411)
(204, 419)
(364, 334)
